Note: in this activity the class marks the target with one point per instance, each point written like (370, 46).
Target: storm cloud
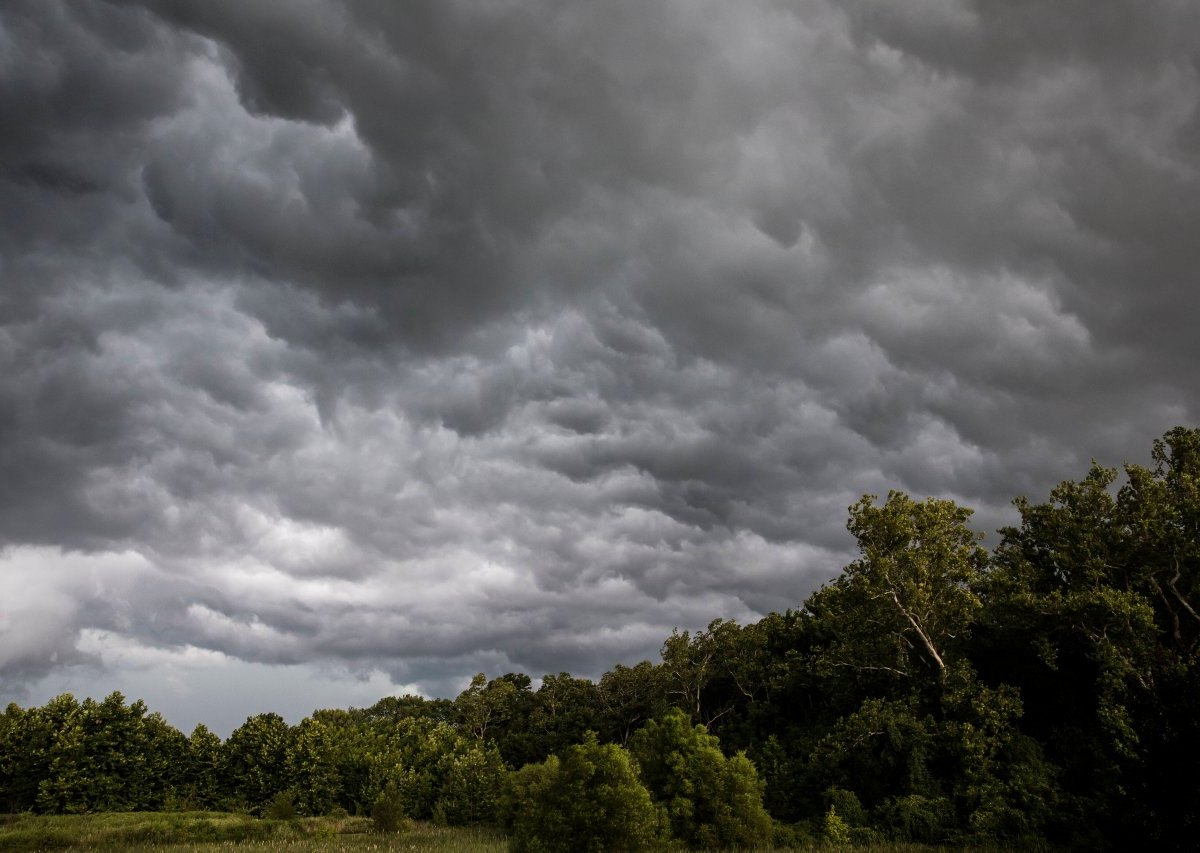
(388, 342)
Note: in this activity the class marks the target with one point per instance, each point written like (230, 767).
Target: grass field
(212, 831)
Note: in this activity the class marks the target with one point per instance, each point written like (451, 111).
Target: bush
(836, 829)
(711, 800)
(589, 801)
(847, 805)
(915, 818)
(325, 831)
(471, 785)
(388, 812)
(281, 807)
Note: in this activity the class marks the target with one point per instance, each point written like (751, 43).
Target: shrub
(711, 800)
(388, 812)
(915, 818)
(836, 829)
(281, 807)
(325, 831)
(847, 805)
(589, 801)
(470, 787)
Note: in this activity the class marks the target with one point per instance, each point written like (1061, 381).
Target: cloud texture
(411, 339)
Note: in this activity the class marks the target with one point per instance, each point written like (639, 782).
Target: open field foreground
(201, 832)
(198, 831)
(211, 832)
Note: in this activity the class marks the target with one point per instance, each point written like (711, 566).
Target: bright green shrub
(589, 801)
(711, 800)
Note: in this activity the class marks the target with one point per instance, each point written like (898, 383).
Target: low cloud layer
(403, 340)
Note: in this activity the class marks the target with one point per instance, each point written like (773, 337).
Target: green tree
(883, 749)
(435, 768)
(710, 800)
(12, 728)
(393, 708)
(473, 777)
(485, 704)
(26, 750)
(109, 756)
(1001, 784)
(629, 697)
(835, 830)
(313, 753)
(716, 672)
(155, 779)
(1091, 612)
(789, 713)
(589, 801)
(409, 760)
(356, 744)
(1159, 508)
(200, 788)
(501, 711)
(254, 765)
(908, 602)
(61, 786)
(564, 708)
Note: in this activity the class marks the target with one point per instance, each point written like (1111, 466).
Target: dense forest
(933, 691)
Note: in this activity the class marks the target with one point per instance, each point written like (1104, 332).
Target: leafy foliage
(902, 610)
(387, 813)
(710, 800)
(254, 761)
(591, 801)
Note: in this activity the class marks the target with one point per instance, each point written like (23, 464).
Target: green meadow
(213, 831)
(210, 832)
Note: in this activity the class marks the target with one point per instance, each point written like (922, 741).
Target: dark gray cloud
(394, 341)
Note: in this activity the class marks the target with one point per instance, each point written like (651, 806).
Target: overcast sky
(351, 347)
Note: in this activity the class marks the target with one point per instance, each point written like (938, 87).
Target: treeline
(933, 692)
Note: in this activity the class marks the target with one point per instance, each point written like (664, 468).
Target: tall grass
(173, 830)
(421, 839)
(218, 832)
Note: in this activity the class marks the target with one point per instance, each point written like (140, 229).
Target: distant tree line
(933, 692)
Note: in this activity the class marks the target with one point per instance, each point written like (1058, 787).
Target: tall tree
(715, 672)
(109, 756)
(1089, 613)
(313, 757)
(254, 761)
(200, 788)
(1160, 510)
(904, 608)
(499, 711)
(631, 695)
(564, 708)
